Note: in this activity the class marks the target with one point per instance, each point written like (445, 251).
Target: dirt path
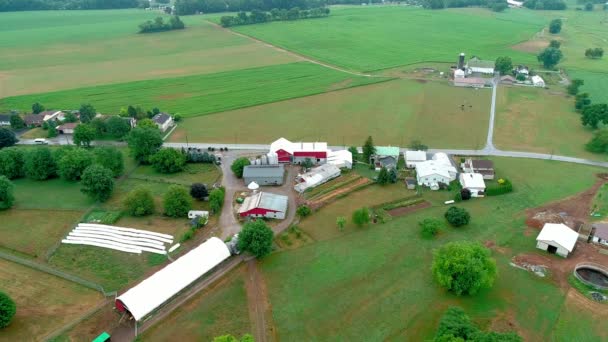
(260, 313)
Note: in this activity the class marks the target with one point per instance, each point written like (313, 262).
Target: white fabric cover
(151, 293)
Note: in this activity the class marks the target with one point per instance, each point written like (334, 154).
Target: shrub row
(499, 189)
(257, 16)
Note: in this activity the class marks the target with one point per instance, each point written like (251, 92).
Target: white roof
(442, 158)
(415, 156)
(432, 167)
(537, 79)
(291, 147)
(472, 181)
(341, 158)
(148, 295)
(265, 200)
(316, 176)
(558, 233)
(459, 72)
(282, 144)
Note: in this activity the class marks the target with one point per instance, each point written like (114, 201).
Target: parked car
(41, 141)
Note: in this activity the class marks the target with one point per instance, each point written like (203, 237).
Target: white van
(41, 141)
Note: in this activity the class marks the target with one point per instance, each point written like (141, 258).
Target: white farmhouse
(538, 81)
(413, 157)
(163, 121)
(557, 238)
(474, 182)
(431, 173)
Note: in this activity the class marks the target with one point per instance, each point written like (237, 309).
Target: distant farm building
(33, 120)
(478, 66)
(341, 158)
(67, 128)
(599, 233)
(264, 204)
(264, 174)
(413, 157)
(316, 177)
(538, 81)
(410, 183)
(287, 152)
(145, 297)
(515, 4)
(55, 115)
(474, 183)
(5, 120)
(472, 82)
(483, 166)
(507, 79)
(557, 238)
(385, 156)
(163, 121)
(433, 173)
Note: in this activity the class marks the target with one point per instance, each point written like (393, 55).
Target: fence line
(75, 322)
(57, 273)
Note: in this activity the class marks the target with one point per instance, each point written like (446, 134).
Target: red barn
(264, 204)
(288, 152)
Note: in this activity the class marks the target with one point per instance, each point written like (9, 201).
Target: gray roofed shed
(264, 174)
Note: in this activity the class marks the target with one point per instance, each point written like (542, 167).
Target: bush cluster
(159, 25)
(500, 188)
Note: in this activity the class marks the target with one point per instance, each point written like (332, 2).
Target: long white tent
(151, 293)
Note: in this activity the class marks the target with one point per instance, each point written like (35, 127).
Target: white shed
(538, 81)
(474, 182)
(414, 157)
(557, 238)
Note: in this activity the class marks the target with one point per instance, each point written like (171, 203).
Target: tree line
(494, 5)
(159, 25)
(38, 5)
(555, 5)
(275, 14)
(185, 7)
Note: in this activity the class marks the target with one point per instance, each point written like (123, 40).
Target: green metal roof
(387, 151)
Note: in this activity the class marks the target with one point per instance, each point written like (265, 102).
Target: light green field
(537, 120)
(371, 38)
(202, 94)
(50, 194)
(44, 302)
(194, 173)
(379, 276)
(392, 112)
(53, 50)
(220, 310)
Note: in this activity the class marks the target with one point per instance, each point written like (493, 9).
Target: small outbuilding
(264, 174)
(316, 176)
(599, 233)
(414, 157)
(264, 204)
(385, 156)
(410, 183)
(557, 238)
(67, 128)
(5, 120)
(538, 81)
(483, 166)
(474, 182)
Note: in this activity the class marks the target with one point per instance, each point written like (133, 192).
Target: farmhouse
(147, 296)
(385, 156)
(67, 128)
(56, 115)
(289, 152)
(437, 171)
(600, 233)
(538, 81)
(507, 79)
(163, 121)
(522, 70)
(473, 82)
(483, 166)
(478, 66)
(5, 120)
(316, 177)
(33, 120)
(264, 174)
(264, 204)
(413, 157)
(474, 182)
(557, 238)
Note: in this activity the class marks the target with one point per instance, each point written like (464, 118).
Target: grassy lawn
(600, 202)
(34, 133)
(33, 232)
(50, 194)
(378, 276)
(202, 94)
(194, 173)
(52, 50)
(379, 37)
(44, 302)
(392, 112)
(531, 119)
(219, 310)
(596, 83)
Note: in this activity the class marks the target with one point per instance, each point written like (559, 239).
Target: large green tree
(595, 114)
(504, 65)
(464, 267)
(238, 165)
(73, 163)
(97, 182)
(216, 200)
(368, 149)
(597, 144)
(17, 122)
(139, 202)
(555, 26)
(256, 238)
(37, 108)
(144, 142)
(7, 310)
(574, 86)
(111, 158)
(39, 164)
(7, 197)
(87, 112)
(168, 160)
(7, 138)
(457, 216)
(455, 325)
(12, 162)
(177, 201)
(117, 126)
(550, 57)
(199, 191)
(84, 134)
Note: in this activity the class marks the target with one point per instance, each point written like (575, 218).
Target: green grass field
(392, 112)
(53, 50)
(44, 302)
(32, 194)
(202, 94)
(217, 311)
(371, 38)
(536, 120)
(194, 173)
(379, 276)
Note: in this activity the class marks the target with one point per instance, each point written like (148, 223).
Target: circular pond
(592, 274)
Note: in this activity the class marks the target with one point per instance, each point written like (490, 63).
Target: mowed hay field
(374, 283)
(52, 50)
(202, 94)
(536, 120)
(379, 37)
(44, 302)
(393, 112)
(218, 310)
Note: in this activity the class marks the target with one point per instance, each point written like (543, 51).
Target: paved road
(490, 137)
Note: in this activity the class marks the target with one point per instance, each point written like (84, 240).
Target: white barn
(474, 182)
(557, 238)
(431, 173)
(413, 157)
